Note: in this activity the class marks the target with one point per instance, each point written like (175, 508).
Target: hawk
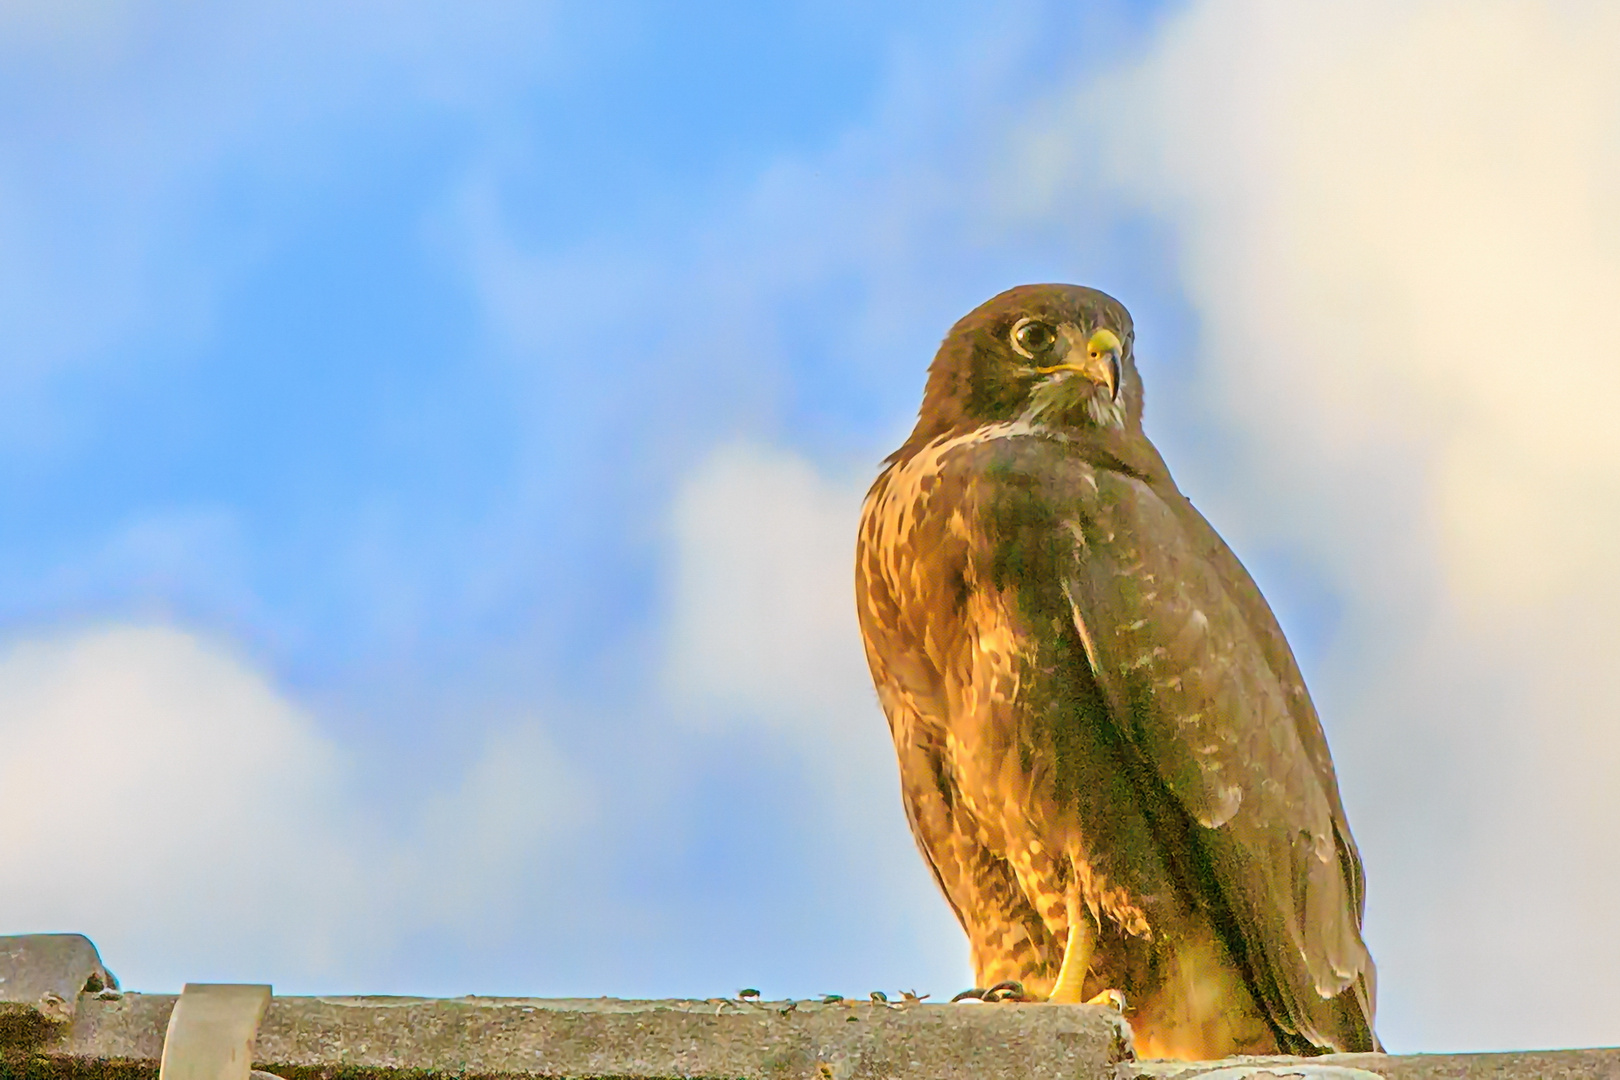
(1107, 753)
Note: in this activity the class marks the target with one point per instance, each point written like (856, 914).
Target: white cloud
(155, 785)
(1400, 227)
(159, 795)
(479, 846)
(764, 621)
(763, 638)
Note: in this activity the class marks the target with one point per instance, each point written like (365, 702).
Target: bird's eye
(1031, 337)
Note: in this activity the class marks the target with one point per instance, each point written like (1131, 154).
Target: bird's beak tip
(1104, 350)
(1101, 365)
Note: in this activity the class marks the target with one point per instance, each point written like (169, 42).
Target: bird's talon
(1009, 990)
(1114, 999)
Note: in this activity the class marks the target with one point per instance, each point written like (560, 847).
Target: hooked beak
(1099, 361)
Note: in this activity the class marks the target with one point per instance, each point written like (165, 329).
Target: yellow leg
(1071, 976)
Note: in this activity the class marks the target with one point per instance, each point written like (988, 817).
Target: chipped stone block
(211, 1031)
(41, 978)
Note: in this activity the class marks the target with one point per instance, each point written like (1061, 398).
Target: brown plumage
(1106, 748)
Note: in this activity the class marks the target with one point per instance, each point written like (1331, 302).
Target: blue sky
(435, 435)
(272, 306)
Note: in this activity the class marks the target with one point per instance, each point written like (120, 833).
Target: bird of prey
(1107, 752)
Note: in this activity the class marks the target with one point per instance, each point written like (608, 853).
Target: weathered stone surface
(1254, 1069)
(513, 1037)
(1528, 1065)
(211, 1031)
(362, 1038)
(41, 977)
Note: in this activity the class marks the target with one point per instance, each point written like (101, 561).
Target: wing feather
(1199, 677)
(1188, 666)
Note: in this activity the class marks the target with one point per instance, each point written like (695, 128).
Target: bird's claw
(1009, 991)
(1114, 999)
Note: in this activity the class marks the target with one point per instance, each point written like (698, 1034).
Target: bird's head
(1055, 355)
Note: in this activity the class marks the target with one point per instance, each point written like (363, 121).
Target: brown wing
(1188, 667)
(1268, 635)
(1198, 676)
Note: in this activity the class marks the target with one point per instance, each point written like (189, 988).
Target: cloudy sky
(433, 435)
